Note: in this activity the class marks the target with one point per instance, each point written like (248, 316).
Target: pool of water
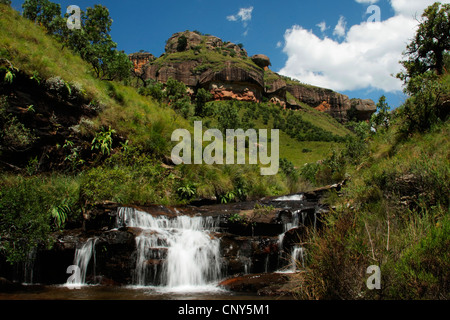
(127, 293)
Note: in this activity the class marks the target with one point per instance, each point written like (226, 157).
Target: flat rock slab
(256, 283)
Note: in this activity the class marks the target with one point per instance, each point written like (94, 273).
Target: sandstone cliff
(224, 68)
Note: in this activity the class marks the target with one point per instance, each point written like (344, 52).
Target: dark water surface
(126, 293)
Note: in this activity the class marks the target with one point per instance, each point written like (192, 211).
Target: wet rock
(254, 282)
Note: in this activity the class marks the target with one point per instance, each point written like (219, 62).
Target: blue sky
(327, 43)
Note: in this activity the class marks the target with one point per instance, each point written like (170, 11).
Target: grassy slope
(142, 121)
(32, 51)
(393, 213)
(126, 177)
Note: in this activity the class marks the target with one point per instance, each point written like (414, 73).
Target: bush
(31, 208)
(423, 109)
(228, 117)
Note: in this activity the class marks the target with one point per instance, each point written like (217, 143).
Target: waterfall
(298, 255)
(174, 253)
(82, 258)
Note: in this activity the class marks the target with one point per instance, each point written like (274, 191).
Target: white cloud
(366, 57)
(244, 15)
(322, 26)
(411, 8)
(340, 28)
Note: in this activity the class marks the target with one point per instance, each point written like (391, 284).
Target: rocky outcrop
(236, 77)
(262, 61)
(324, 100)
(275, 88)
(139, 60)
(363, 108)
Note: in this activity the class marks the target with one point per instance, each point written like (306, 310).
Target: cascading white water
(294, 197)
(82, 258)
(298, 252)
(189, 254)
(298, 255)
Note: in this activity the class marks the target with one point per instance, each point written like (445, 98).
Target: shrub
(31, 208)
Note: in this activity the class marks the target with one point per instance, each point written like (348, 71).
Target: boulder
(261, 60)
(363, 108)
(193, 40)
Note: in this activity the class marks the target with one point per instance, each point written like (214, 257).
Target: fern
(60, 215)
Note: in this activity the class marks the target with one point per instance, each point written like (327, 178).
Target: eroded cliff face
(224, 68)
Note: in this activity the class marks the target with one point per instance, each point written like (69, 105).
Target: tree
(425, 63)
(7, 2)
(432, 40)
(382, 117)
(228, 117)
(95, 45)
(201, 99)
(42, 12)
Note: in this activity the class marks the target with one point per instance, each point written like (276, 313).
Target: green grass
(394, 213)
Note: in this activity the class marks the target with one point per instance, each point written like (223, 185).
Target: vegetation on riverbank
(394, 210)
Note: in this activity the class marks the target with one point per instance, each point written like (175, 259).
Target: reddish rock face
(140, 59)
(325, 100)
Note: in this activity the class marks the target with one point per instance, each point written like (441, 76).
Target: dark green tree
(228, 117)
(43, 12)
(428, 48)
(425, 61)
(382, 117)
(95, 45)
(201, 99)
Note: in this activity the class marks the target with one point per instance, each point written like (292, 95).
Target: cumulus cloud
(366, 56)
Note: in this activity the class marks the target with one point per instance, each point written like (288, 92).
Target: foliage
(382, 118)
(424, 108)
(43, 12)
(27, 207)
(228, 118)
(432, 40)
(187, 191)
(103, 141)
(201, 98)
(14, 135)
(92, 42)
(424, 65)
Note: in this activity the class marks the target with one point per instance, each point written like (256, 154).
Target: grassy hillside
(393, 212)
